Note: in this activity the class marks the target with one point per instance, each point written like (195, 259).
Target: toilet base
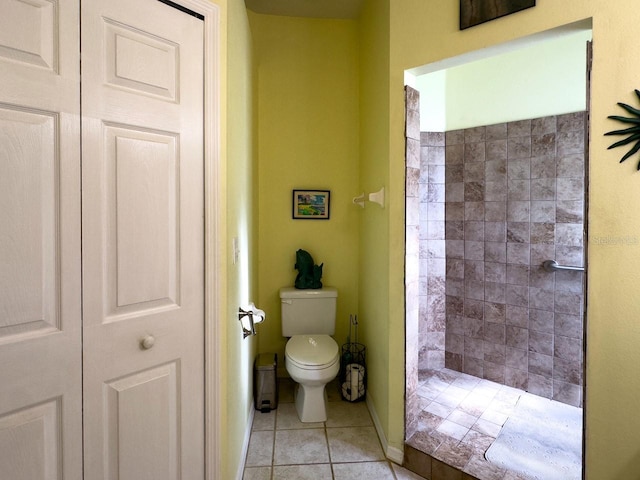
(311, 403)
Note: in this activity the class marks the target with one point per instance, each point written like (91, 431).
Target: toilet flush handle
(288, 302)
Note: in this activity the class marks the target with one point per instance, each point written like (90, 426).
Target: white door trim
(214, 231)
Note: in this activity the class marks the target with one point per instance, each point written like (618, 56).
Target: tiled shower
(494, 203)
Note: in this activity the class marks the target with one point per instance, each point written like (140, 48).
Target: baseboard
(394, 454)
(245, 443)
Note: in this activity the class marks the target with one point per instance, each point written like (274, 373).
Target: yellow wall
(307, 138)
(375, 255)
(315, 107)
(240, 212)
(424, 32)
(533, 81)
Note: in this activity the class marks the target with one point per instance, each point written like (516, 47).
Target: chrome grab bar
(553, 266)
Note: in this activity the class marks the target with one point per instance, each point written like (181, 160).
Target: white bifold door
(101, 241)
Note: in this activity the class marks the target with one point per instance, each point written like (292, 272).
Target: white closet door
(143, 247)
(40, 299)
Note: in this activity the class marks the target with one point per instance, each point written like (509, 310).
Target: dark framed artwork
(311, 204)
(475, 12)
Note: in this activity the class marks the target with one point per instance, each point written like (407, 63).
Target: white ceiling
(307, 8)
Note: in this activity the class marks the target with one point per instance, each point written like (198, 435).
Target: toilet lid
(312, 349)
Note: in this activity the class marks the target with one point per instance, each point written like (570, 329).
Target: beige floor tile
(264, 421)
(354, 444)
(287, 418)
(346, 414)
(257, 473)
(303, 472)
(260, 451)
(298, 447)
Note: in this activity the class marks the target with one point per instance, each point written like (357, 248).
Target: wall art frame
(475, 12)
(311, 204)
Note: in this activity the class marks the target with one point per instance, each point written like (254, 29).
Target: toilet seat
(312, 352)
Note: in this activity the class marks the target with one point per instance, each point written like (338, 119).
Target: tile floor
(345, 447)
(461, 417)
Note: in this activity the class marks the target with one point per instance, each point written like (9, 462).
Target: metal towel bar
(553, 266)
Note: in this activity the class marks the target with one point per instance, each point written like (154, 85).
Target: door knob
(147, 342)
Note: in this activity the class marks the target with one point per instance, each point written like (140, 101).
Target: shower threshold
(461, 417)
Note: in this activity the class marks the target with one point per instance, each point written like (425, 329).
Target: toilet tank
(308, 311)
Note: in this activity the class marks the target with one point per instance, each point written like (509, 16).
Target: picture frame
(311, 204)
(475, 12)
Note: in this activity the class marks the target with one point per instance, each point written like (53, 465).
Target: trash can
(265, 384)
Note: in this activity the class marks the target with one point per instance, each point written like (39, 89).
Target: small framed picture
(311, 204)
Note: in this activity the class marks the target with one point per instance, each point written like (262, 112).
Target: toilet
(311, 355)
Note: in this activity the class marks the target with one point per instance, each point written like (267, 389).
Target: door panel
(28, 34)
(143, 247)
(40, 309)
(29, 192)
(147, 431)
(143, 208)
(29, 442)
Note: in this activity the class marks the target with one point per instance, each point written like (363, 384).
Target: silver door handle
(553, 266)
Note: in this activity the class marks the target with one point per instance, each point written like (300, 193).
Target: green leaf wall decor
(632, 132)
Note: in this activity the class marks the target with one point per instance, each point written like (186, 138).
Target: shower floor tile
(461, 418)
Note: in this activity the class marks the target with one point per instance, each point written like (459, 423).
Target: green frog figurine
(309, 274)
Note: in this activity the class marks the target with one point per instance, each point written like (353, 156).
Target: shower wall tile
(495, 312)
(542, 145)
(540, 385)
(413, 153)
(570, 166)
(518, 169)
(544, 125)
(435, 155)
(454, 154)
(521, 128)
(474, 135)
(495, 293)
(413, 177)
(567, 393)
(518, 316)
(570, 142)
(495, 252)
(507, 197)
(543, 211)
(496, 151)
(517, 358)
(495, 272)
(543, 188)
(543, 167)
(569, 211)
(516, 378)
(518, 253)
(496, 132)
(434, 139)
(495, 211)
(541, 320)
(454, 137)
(570, 281)
(517, 274)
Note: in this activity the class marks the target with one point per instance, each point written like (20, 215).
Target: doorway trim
(213, 229)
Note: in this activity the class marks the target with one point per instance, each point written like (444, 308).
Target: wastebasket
(265, 384)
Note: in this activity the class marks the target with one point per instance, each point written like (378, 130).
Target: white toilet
(311, 355)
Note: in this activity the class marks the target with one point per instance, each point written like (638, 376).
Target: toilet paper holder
(249, 317)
